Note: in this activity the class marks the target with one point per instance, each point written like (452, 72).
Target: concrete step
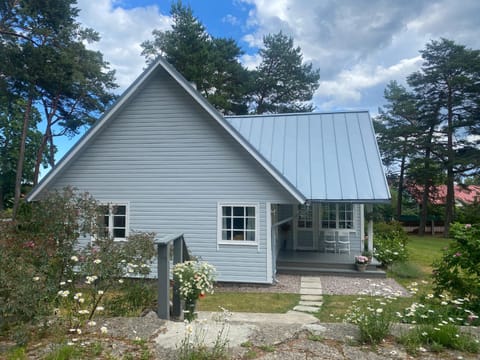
(302, 270)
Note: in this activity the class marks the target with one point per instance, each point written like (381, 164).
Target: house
(242, 190)
(464, 194)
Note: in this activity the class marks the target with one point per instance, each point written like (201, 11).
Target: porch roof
(326, 156)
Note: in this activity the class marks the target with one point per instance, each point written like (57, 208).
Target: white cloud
(250, 61)
(122, 31)
(230, 19)
(348, 86)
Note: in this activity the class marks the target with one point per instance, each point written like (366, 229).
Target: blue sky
(359, 45)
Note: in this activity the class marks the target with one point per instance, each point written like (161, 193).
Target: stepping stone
(311, 287)
(310, 279)
(311, 298)
(304, 308)
(310, 303)
(310, 291)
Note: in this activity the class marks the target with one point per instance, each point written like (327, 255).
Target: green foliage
(390, 243)
(406, 270)
(437, 338)
(11, 123)
(458, 273)
(132, 297)
(468, 214)
(373, 318)
(283, 83)
(42, 265)
(210, 63)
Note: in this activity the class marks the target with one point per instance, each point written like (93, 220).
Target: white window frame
(325, 210)
(110, 205)
(220, 240)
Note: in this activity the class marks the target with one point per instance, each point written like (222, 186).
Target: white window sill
(238, 243)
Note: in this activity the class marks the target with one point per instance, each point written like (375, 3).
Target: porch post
(370, 227)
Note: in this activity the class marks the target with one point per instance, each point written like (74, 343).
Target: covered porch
(322, 238)
(319, 263)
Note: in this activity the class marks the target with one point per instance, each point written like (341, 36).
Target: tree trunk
(450, 200)
(39, 159)
(21, 157)
(400, 187)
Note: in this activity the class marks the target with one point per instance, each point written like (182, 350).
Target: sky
(358, 45)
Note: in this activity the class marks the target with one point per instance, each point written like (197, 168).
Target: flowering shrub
(458, 272)
(42, 266)
(389, 247)
(194, 279)
(373, 318)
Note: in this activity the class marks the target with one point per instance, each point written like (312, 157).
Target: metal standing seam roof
(326, 156)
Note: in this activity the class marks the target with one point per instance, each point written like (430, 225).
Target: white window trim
(337, 219)
(127, 218)
(233, 242)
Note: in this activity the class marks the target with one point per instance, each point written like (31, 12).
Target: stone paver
(309, 291)
(310, 295)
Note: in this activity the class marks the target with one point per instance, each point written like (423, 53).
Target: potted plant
(195, 279)
(361, 262)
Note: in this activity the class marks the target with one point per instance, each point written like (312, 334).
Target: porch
(321, 263)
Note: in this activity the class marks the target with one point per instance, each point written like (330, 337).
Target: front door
(304, 238)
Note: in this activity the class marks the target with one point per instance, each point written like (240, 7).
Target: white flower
(81, 300)
(83, 312)
(79, 331)
(103, 330)
(91, 323)
(120, 281)
(36, 278)
(62, 283)
(379, 310)
(100, 292)
(74, 258)
(100, 308)
(63, 293)
(97, 261)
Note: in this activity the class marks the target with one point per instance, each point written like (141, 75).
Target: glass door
(304, 235)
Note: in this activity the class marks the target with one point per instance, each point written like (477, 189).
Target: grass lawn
(249, 302)
(423, 251)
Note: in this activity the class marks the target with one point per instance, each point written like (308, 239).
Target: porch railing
(180, 254)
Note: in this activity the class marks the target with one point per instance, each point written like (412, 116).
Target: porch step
(316, 270)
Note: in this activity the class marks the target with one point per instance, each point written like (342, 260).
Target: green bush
(458, 272)
(44, 267)
(373, 318)
(389, 246)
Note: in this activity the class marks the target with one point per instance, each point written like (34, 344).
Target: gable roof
(326, 156)
(160, 63)
(323, 157)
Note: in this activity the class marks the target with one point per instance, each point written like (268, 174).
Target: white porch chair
(329, 242)
(343, 242)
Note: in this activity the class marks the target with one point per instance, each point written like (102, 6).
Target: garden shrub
(458, 271)
(43, 265)
(389, 244)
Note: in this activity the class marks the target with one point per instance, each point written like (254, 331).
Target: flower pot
(361, 267)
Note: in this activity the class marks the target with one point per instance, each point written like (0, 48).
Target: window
(238, 223)
(113, 221)
(337, 216)
(305, 217)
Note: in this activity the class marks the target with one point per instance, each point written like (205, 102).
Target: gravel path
(331, 285)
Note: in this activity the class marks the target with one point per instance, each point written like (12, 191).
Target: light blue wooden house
(253, 195)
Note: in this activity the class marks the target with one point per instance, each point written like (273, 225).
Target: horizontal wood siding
(166, 157)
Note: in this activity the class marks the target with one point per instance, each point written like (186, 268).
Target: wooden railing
(180, 254)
